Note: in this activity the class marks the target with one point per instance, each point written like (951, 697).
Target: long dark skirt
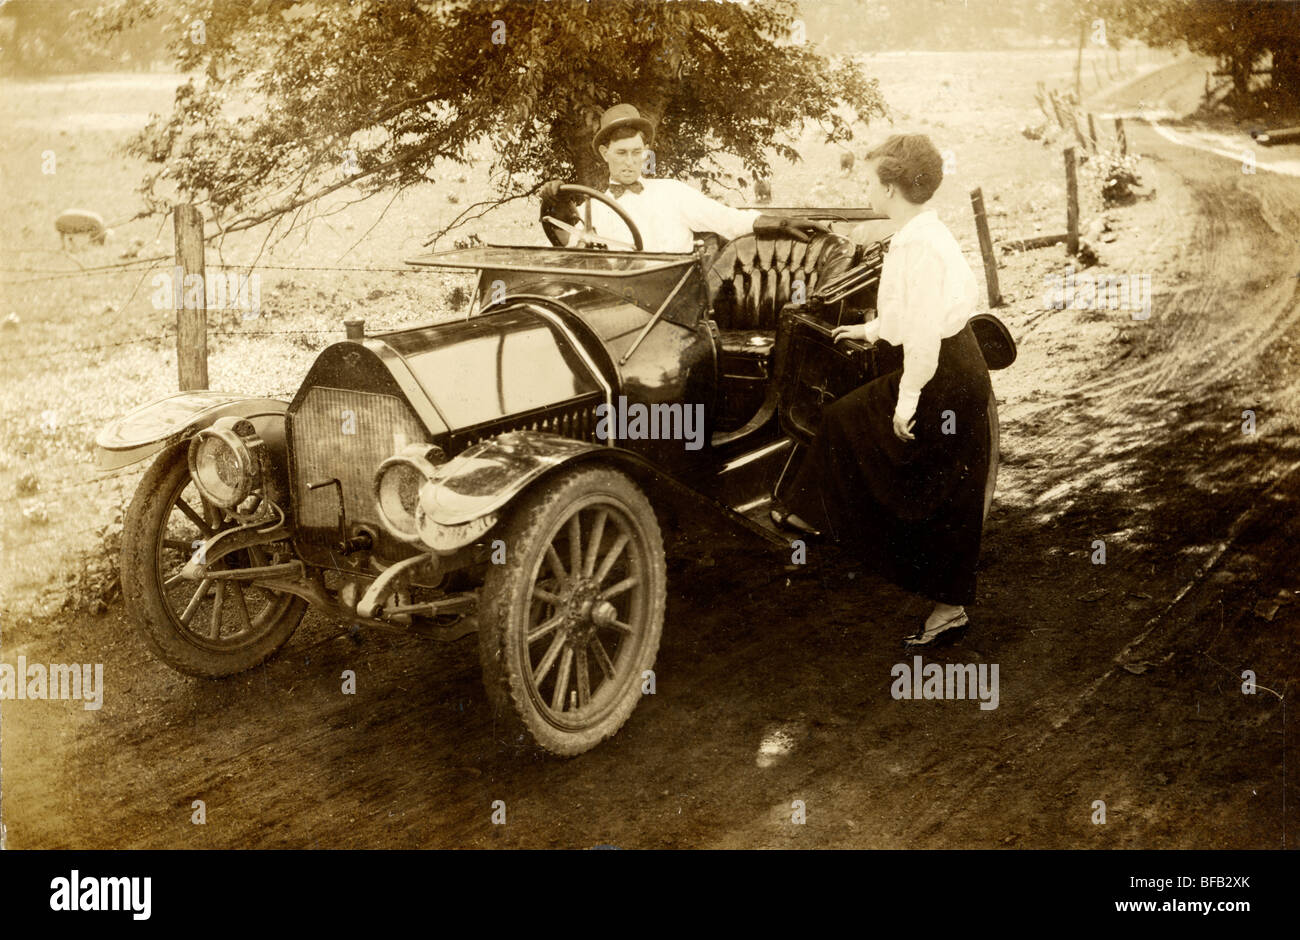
(914, 509)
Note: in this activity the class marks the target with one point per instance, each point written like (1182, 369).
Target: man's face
(624, 158)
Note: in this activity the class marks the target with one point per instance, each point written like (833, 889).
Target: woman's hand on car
(857, 331)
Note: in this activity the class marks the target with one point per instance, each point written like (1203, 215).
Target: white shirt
(927, 293)
(667, 212)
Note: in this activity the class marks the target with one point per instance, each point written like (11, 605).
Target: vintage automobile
(510, 471)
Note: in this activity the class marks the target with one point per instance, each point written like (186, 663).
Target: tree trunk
(652, 102)
(589, 170)
(1240, 65)
(1286, 75)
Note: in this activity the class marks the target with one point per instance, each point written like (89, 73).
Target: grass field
(81, 347)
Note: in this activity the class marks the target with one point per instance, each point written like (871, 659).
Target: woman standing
(899, 465)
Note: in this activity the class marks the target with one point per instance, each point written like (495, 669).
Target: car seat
(753, 277)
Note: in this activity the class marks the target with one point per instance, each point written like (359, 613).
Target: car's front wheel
(570, 623)
(214, 627)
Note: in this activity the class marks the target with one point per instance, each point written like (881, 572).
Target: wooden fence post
(1074, 123)
(1040, 95)
(1071, 204)
(1092, 132)
(190, 299)
(1056, 107)
(1121, 137)
(986, 248)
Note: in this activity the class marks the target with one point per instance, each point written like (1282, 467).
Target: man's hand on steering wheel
(560, 215)
(560, 206)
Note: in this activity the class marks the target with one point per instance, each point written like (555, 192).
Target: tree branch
(240, 225)
(490, 203)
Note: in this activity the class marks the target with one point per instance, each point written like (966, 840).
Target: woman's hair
(910, 162)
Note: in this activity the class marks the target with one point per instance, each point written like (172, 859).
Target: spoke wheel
(573, 619)
(207, 628)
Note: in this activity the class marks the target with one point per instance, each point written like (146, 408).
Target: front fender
(148, 429)
(483, 478)
(461, 501)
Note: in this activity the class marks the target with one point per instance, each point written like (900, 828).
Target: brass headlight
(223, 462)
(397, 487)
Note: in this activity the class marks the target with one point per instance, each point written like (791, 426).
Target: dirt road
(1119, 684)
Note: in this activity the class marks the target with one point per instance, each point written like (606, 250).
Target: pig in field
(846, 162)
(81, 222)
(762, 191)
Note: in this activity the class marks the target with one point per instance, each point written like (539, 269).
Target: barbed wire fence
(30, 494)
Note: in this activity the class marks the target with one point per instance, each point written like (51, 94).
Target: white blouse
(927, 293)
(667, 212)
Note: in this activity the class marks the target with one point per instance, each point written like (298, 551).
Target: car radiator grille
(344, 434)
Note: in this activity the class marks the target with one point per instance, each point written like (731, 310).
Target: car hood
(472, 372)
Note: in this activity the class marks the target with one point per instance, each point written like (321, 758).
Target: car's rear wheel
(995, 438)
(209, 628)
(570, 623)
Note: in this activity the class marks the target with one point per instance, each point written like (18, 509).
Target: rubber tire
(142, 587)
(995, 440)
(509, 586)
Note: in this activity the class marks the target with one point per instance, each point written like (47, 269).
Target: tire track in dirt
(979, 784)
(1246, 225)
(1220, 333)
(1235, 313)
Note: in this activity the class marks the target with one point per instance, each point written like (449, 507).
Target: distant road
(1174, 90)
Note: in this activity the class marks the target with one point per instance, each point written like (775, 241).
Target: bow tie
(619, 189)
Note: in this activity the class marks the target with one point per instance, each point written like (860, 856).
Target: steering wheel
(618, 210)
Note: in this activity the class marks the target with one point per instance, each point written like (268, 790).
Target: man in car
(666, 211)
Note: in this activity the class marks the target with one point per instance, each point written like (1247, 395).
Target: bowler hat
(621, 115)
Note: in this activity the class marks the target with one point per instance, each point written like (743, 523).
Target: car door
(812, 370)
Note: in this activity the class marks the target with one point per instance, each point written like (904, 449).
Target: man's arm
(703, 214)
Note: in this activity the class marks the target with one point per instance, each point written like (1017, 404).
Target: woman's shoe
(792, 523)
(939, 635)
